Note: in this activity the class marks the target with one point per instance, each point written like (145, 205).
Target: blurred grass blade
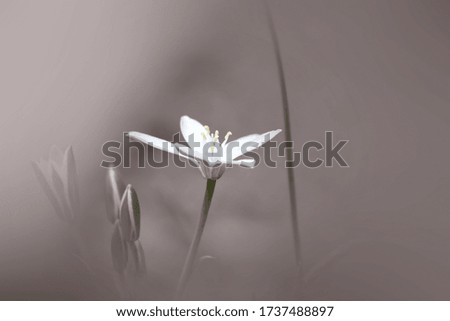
(59, 190)
(72, 180)
(130, 215)
(119, 250)
(114, 191)
(45, 185)
(56, 156)
(288, 135)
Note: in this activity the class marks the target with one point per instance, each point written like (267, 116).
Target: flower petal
(189, 153)
(155, 142)
(246, 144)
(247, 163)
(196, 156)
(194, 133)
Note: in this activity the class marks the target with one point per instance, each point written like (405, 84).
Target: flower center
(215, 138)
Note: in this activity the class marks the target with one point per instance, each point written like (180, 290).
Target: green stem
(189, 263)
(288, 134)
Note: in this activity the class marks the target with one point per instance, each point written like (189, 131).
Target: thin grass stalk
(190, 259)
(288, 136)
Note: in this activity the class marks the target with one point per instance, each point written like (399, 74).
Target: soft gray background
(374, 72)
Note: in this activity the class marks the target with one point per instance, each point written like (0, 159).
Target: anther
(225, 139)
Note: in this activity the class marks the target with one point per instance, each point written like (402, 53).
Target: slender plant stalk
(288, 135)
(189, 263)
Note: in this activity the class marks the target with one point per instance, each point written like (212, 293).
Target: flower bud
(130, 215)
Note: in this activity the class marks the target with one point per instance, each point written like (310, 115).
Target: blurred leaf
(142, 261)
(130, 215)
(137, 264)
(72, 180)
(56, 155)
(114, 191)
(45, 185)
(119, 250)
(58, 186)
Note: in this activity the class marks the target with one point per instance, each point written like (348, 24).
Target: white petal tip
(136, 135)
(184, 119)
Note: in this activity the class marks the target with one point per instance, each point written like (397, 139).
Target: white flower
(205, 149)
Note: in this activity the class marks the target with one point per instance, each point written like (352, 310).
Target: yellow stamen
(225, 139)
(204, 134)
(216, 136)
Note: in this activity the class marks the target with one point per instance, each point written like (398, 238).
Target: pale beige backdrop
(375, 72)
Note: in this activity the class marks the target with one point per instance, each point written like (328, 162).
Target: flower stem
(289, 151)
(189, 263)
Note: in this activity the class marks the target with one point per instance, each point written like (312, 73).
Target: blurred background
(376, 73)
